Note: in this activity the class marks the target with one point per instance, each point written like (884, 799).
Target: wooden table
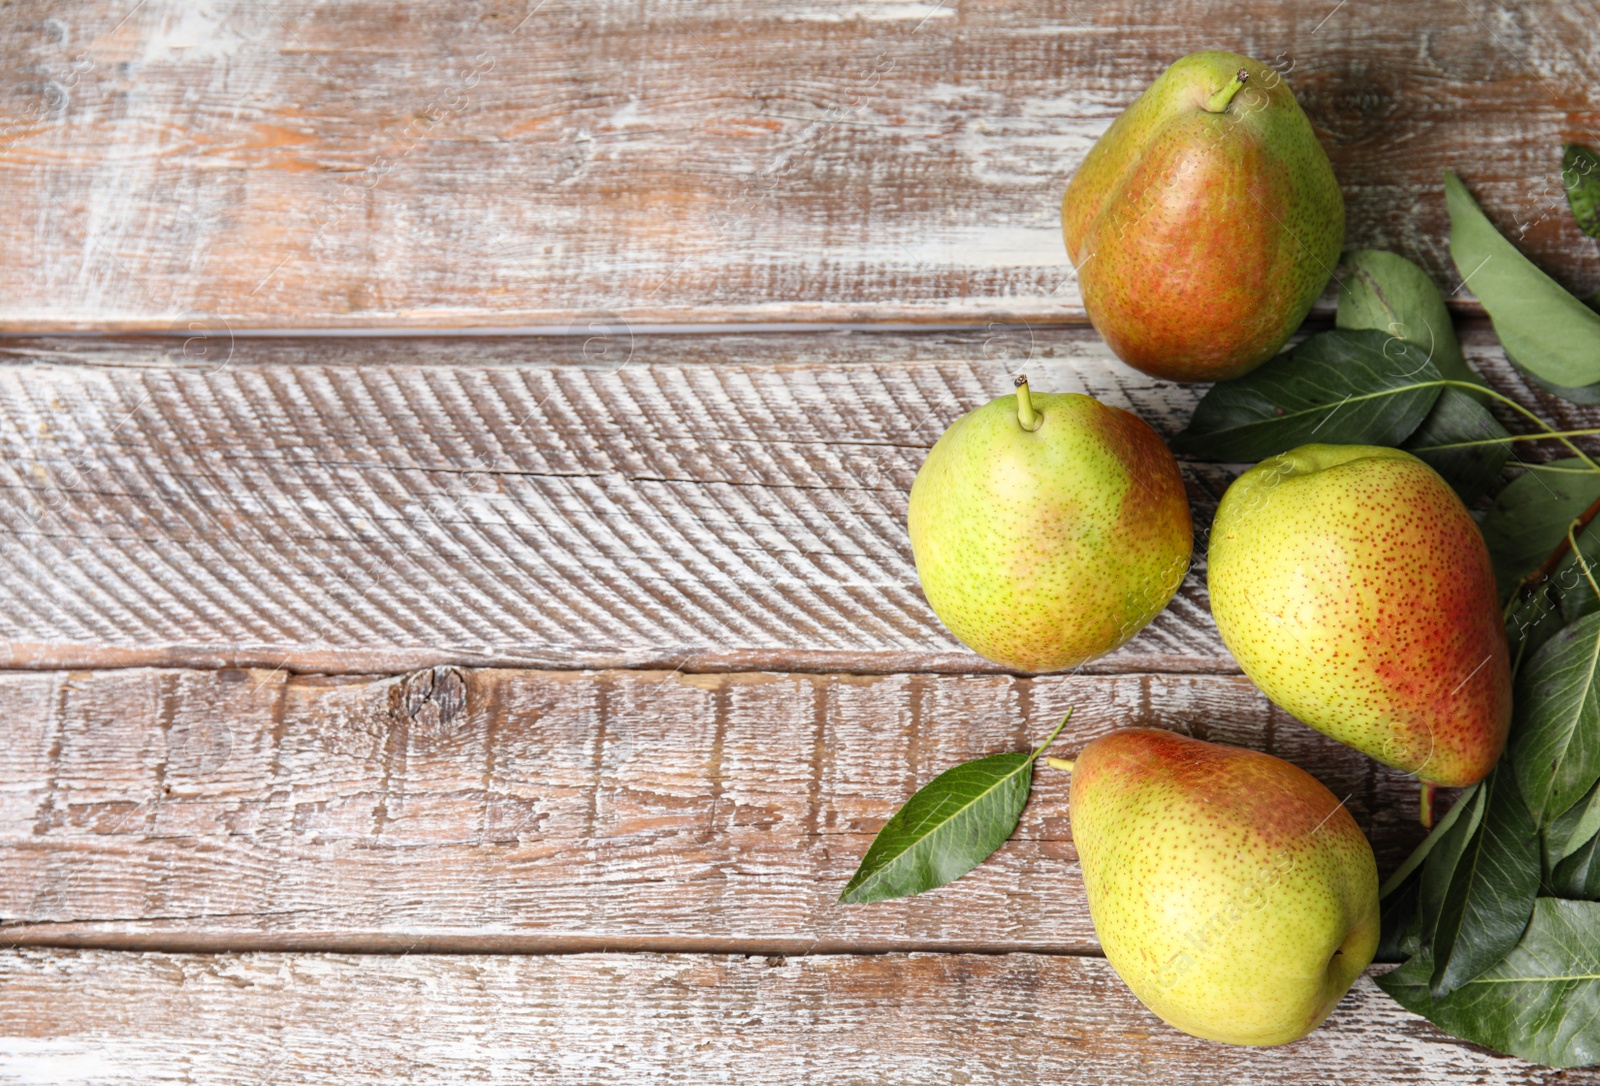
(459, 618)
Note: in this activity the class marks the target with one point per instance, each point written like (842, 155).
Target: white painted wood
(359, 504)
(382, 505)
(515, 810)
(119, 1019)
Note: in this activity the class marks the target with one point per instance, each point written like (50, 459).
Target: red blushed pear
(1204, 222)
(1355, 590)
(1231, 891)
(1048, 529)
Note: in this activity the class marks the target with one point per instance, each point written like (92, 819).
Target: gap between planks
(1470, 318)
(468, 943)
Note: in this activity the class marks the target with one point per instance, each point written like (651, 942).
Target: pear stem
(1046, 744)
(1059, 763)
(1030, 419)
(1425, 804)
(1218, 102)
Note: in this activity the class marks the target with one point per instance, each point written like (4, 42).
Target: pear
(1355, 590)
(1204, 222)
(1048, 529)
(1231, 891)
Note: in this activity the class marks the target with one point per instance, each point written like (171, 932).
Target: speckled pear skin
(1231, 891)
(1043, 549)
(1202, 239)
(1355, 590)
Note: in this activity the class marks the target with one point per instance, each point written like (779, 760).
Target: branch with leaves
(1497, 912)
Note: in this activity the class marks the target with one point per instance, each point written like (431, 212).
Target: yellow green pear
(1048, 529)
(1356, 591)
(1231, 891)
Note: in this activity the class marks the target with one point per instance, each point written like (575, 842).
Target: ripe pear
(1231, 891)
(1205, 221)
(1048, 529)
(1355, 590)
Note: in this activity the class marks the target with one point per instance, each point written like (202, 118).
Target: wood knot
(430, 701)
(1355, 105)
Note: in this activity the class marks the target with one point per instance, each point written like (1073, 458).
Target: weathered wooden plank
(363, 164)
(489, 501)
(113, 1019)
(704, 502)
(513, 810)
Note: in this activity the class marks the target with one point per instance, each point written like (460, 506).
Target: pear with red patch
(1231, 891)
(1356, 591)
(1204, 222)
(1049, 529)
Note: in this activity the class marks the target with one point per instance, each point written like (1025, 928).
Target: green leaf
(1580, 176)
(1385, 291)
(1450, 842)
(1463, 442)
(1339, 387)
(1555, 742)
(1543, 327)
(1462, 806)
(1573, 829)
(1529, 518)
(1541, 1002)
(1525, 525)
(1588, 395)
(1400, 914)
(1535, 618)
(1399, 921)
(1578, 875)
(1491, 891)
(951, 825)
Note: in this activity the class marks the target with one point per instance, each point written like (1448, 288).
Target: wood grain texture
(512, 162)
(558, 811)
(677, 501)
(686, 502)
(124, 1019)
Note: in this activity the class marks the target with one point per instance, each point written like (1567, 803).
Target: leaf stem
(1577, 553)
(1549, 431)
(1557, 469)
(1043, 746)
(1514, 437)
(1522, 648)
(1548, 567)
